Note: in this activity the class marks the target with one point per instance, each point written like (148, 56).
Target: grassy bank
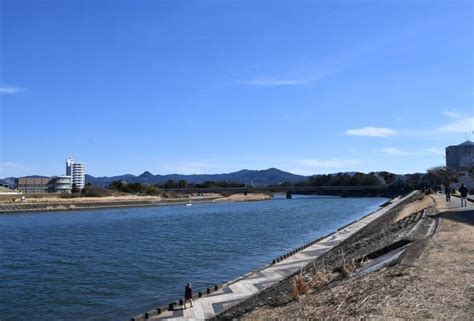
(56, 203)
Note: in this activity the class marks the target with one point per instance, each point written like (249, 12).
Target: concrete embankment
(381, 236)
(83, 203)
(414, 264)
(274, 281)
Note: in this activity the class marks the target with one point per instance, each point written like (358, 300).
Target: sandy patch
(244, 198)
(109, 199)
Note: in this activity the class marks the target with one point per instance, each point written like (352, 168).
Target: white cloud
(211, 166)
(189, 168)
(434, 151)
(311, 166)
(327, 163)
(453, 114)
(371, 132)
(465, 125)
(264, 81)
(10, 90)
(395, 151)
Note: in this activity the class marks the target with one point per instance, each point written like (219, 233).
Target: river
(116, 263)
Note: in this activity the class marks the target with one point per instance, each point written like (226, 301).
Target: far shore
(57, 203)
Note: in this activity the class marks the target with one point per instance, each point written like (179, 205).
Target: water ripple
(107, 265)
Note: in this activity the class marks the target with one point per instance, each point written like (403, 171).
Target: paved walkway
(441, 284)
(238, 290)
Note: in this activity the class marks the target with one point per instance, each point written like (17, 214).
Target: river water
(116, 263)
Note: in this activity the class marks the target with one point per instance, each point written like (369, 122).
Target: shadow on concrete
(466, 216)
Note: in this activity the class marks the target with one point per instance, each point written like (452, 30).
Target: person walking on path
(188, 295)
(447, 191)
(463, 190)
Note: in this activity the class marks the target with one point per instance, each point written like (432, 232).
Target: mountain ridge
(244, 176)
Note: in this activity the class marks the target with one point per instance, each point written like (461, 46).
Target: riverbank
(118, 263)
(249, 197)
(432, 278)
(56, 203)
(230, 300)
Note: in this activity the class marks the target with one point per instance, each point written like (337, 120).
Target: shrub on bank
(94, 191)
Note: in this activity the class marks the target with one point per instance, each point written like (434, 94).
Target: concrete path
(240, 289)
(441, 284)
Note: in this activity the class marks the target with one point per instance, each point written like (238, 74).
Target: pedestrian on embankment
(463, 191)
(447, 191)
(188, 295)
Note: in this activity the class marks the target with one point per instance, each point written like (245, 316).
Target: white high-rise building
(77, 171)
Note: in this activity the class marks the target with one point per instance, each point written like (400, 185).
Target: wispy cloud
(371, 132)
(434, 151)
(266, 81)
(10, 90)
(453, 114)
(395, 151)
(189, 168)
(465, 125)
(299, 76)
(328, 163)
(311, 166)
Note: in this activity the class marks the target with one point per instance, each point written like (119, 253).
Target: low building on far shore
(62, 184)
(34, 185)
(43, 185)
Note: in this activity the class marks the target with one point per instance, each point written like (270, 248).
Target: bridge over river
(289, 190)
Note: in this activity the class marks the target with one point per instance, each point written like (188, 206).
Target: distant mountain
(271, 176)
(245, 176)
(146, 177)
(105, 180)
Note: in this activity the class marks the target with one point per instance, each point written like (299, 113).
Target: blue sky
(217, 86)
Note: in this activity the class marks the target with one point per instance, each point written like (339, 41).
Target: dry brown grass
(439, 287)
(300, 286)
(320, 278)
(348, 268)
(416, 206)
(305, 282)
